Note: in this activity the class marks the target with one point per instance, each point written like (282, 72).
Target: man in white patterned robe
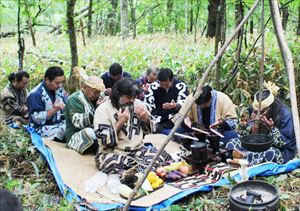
(120, 125)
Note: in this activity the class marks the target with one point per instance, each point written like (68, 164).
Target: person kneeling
(279, 120)
(120, 125)
(80, 109)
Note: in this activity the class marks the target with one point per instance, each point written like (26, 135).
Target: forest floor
(25, 173)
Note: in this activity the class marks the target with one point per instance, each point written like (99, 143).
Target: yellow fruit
(155, 185)
(160, 181)
(151, 173)
(151, 179)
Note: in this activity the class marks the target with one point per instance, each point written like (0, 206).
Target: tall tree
(212, 17)
(191, 16)
(298, 28)
(285, 16)
(112, 22)
(220, 39)
(169, 12)
(196, 20)
(29, 21)
(90, 18)
(20, 39)
(124, 18)
(72, 34)
(133, 17)
(150, 22)
(186, 16)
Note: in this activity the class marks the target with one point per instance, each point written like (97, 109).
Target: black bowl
(256, 142)
(240, 194)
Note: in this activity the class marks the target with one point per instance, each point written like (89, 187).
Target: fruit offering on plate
(154, 180)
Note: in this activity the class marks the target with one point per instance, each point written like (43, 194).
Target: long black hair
(125, 86)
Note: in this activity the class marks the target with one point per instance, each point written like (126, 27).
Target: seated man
(214, 109)
(13, 98)
(80, 109)
(114, 74)
(145, 80)
(120, 125)
(165, 98)
(279, 119)
(46, 103)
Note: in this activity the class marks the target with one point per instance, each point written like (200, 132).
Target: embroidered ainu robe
(13, 103)
(221, 108)
(40, 101)
(157, 96)
(123, 149)
(80, 133)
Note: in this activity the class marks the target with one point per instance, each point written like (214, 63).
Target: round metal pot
(256, 142)
(254, 195)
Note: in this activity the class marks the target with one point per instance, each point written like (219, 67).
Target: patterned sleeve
(79, 118)
(231, 123)
(149, 97)
(105, 132)
(10, 104)
(278, 141)
(37, 108)
(183, 92)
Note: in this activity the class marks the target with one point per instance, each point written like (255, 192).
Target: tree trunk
(90, 18)
(212, 18)
(133, 18)
(20, 40)
(298, 28)
(218, 34)
(112, 22)
(186, 6)
(124, 18)
(196, 20)
(239, 15)
(251, 27)
(150, 22)
(30, 26)
(31, 31)
(72, 34)
(191, 16)
(82, 32)
(169, 15)
(285, 16)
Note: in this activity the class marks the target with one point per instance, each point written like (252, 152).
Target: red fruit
(161, 172)
(184, 169)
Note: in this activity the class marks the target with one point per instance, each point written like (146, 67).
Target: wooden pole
(288, 63)
(189, 104)
(262, 61)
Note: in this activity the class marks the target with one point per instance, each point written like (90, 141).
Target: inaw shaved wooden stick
(186, 136)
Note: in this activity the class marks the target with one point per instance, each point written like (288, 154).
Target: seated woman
(279, 119)
(120, 125)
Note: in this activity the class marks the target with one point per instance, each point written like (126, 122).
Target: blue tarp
(261, 170)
